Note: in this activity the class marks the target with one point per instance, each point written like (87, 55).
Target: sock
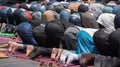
(64, 56)
(72, 57)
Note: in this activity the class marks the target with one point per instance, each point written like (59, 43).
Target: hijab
(89, 20)
(107, 20)
(50, 15)
(64, 15)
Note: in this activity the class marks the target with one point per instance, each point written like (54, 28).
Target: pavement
(17, 62)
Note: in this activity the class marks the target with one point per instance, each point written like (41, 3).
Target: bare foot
(16, 47)
(58, 55)
(10, 44)
(4, 46)
(54, 52)
(29, 49)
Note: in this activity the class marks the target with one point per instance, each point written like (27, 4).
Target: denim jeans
(24, 30)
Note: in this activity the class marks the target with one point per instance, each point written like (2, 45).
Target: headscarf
(24, 5)
(50, 15)
(75, 19)
(64, 15)
(65, 4)
(89, 20)
(107, 9)
(96, 7)
(107, 20)
(56, 6)
(116, 9)
(37, 7)
(111, 3)
(59, 8)
(36, 15)
(74, 6)
(83, 8)
(50, 7)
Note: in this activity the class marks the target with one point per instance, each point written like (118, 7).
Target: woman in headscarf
(37, 7)
(75, 19)
(112, 3)
(107, 9)
(88, 20)
(37, 15)
(64, 15)
(50, 15)
(107, 22)
(70, 34)
(74, 7)
(96, 7)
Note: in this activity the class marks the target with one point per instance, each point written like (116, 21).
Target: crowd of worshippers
(87, 31)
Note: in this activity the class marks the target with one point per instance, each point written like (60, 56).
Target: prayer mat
(4, 40)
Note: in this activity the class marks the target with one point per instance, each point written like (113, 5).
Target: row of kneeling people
(67, 30)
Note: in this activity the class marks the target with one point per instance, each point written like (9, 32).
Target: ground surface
(17, 62)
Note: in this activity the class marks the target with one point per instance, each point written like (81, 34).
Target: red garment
(28, 15)
(1, 7)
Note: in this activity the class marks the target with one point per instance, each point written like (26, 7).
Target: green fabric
(7, 34)
(107, 10)
(38, 14)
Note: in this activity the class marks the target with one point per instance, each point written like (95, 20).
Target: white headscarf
(107, 20)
